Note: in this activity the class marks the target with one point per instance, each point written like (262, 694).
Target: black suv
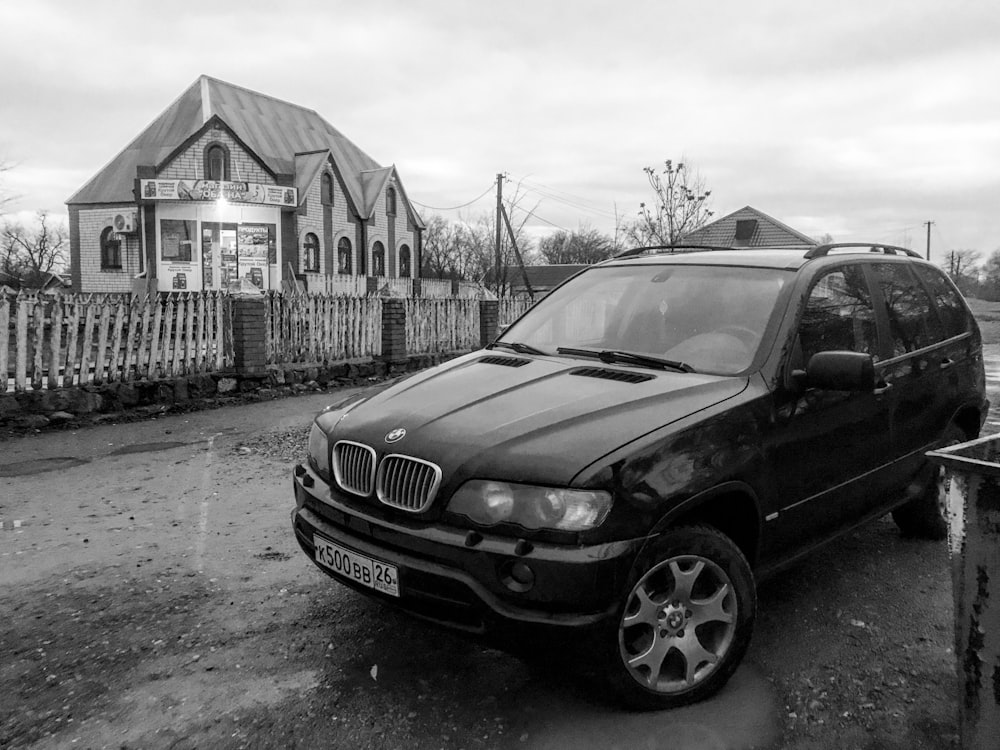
(656, 433)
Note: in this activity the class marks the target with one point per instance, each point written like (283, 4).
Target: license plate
(364, 570)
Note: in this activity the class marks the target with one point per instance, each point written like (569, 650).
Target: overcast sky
(862, 120)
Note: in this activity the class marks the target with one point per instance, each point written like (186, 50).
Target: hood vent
(505, 361)
(604, 374)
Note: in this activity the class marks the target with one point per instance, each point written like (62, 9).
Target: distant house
(749, 227)
(229, 185)
(543, 279)
(43, 281)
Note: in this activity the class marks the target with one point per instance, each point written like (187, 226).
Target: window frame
(405, 254)
(110, 243)
(307, 245)
(226, 158)
(378, 258)
(390, 201)
(345, 248)
(326, 189)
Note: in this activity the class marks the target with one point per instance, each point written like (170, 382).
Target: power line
(574, 201)
(453, 208)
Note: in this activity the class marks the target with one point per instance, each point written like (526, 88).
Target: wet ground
(154, 597)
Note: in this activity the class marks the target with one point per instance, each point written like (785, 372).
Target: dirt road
(153, 596)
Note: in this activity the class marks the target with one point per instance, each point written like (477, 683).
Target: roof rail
(863, 247)
(668, 248)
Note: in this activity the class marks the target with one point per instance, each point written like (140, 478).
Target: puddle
(147, 447)
(743, 716)
(40, 466)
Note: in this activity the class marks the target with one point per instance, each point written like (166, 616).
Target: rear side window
(839, 315)
(954, 316)
(913, 323)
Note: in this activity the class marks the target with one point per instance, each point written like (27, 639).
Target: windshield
(710, 318)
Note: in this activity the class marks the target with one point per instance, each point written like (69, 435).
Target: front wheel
(685, 622)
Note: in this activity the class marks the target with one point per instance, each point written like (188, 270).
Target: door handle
(879, 390)
(946, 363)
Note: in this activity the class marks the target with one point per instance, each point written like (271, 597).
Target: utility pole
(499, 219)
(928, 223)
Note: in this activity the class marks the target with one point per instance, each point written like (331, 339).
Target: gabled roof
(372, 183)
(307, 166)
(272, 129)
(768, 232)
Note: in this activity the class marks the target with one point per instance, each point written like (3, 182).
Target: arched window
(310, 244)
(378, 259)
(216, 162)
(344, 256)
(404, 261)
(111, 249)
(390, 202)
(326, 189)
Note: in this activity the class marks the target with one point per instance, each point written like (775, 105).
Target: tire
(926, 516)
(684, 621)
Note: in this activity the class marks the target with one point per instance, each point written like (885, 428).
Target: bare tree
(680, 205)
(963, 268)
(585, 245)
(31, 253)
(990, 281)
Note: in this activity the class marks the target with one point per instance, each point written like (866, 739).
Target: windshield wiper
(517, 346)
(610, 356)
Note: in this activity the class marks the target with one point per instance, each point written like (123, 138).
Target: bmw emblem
(396, 435)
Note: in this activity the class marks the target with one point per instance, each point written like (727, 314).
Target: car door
(829, 449)
(921, 402)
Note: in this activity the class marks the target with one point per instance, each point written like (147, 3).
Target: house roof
(768, 232)
(278, 132)
(543, 278)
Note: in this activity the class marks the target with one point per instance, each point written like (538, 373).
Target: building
(748, 227)
(230, 184)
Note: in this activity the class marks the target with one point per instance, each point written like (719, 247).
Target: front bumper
(462, 580)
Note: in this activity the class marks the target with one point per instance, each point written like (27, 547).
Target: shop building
(229, 184)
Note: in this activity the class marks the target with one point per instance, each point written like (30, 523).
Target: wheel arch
(732, 508)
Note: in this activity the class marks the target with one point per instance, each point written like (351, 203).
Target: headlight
(319, 452)
(489, 503)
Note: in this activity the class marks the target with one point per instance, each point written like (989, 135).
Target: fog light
(518, 576)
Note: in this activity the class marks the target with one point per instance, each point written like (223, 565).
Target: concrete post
(249, 354)
(974, 544)
(489, 320)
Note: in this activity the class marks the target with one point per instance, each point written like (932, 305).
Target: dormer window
(216, 162)
(390, 202)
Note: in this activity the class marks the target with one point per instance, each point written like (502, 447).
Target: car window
(839, 315)
(954, 316)
(710, 317)
(913, 323)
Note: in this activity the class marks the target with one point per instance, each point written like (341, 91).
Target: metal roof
(275, 130)
(768, 232)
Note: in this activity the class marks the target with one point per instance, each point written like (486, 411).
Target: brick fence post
(489, 320)
(393, 331)
(249, 354)
(371, 285)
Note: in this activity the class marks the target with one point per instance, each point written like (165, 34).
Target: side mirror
(839, 371)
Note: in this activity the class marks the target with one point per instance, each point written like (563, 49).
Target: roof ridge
(259, 93)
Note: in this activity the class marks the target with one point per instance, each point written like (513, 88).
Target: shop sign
(213, 190)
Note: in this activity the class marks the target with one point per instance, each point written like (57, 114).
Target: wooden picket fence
(512, 308)
(76, 339)
(441, 325)
(321, 328)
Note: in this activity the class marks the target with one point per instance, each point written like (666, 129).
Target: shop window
(344, 256)
(216, 162)
(111, 249)
(310, 246)
(390, 202)
(177, 238)
(378, 259)
(326, 189)
(404, 261)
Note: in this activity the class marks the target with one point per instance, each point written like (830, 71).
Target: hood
(527, 419)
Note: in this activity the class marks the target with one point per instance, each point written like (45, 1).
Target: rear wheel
(685, 622)
(926, 516)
